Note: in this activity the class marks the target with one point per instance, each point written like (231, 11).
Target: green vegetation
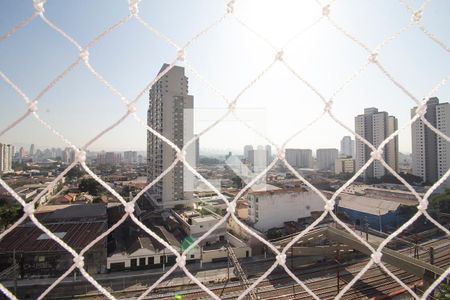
(442, 292)
(91, 186)
(237, 182)
(210, 161)
(74, 173)
(274, 233)
(9, 215)
(441, 202)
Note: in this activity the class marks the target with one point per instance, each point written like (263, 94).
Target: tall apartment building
(247, 149)
(257, 159)
(375, 127)
(326, 158)
(344, 165)
(32, 150)
(347, 146)
(6, 156)
(430, 152)
(268, 154)
(299, 158)
(130, 157)
(170, 113)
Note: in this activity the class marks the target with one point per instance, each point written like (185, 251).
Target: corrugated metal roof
(367, 205)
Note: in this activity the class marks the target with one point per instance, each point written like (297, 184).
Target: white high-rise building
(299, 158)
(170, 113)
(347, 146)
(6, 156)
(258, 159)
(130, 157)
(247, 149)
(430, 152)
(197, 150)
(375, 127)
(326, 158)
(268, 154)
(32, 150)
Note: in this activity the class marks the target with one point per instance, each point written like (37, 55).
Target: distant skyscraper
(268, 154)
(247, 149)
(197, 150)
(170, 113)
(375, 127)
(32, 150)
(6, 156)
(430, 152)
(299, 158)
(130, 157)
(258, 159)
(326, 158)
(68, 155)
(347, 146)
(21, 154)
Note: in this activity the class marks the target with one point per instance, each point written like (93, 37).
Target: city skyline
(77, 115)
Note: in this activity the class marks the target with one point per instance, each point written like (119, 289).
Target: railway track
(374, 282)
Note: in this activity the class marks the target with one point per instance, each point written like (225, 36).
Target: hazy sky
(229, 56)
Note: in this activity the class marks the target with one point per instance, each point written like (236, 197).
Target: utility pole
(338, 269)
(379, 220)
(15, 272)
(164, 259)
(431, 255)
(292, 270)
(201, 257)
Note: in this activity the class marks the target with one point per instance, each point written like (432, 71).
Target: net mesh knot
(328, 106)
(39, 6)
(376, 257)
(231, 207)
(416, 16)
(423, 205)
(326, 10)
(421, 110)
(84, 55)
(181, 261)
(279, 55)
(329, 206)
(81, 156)
(129, 208)
(131, 108)
(230, 6)
(181, 155)
(133, 7)
(33, 106)
(28, 209)
(281, 154)
(373, 57)
(180, 55)
(79, 261)
(377, 154)
(281, 259)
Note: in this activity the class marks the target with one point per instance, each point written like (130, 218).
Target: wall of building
(271, 210)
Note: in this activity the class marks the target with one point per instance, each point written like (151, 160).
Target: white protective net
(129, 107)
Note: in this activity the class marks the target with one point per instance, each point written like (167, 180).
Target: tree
(9, 215)
(441, 202)
(74, 173)
(442, 292)
(90, 185)
(237, 182)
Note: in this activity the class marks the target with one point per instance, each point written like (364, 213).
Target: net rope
(180, 56)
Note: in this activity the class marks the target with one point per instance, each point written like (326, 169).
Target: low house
(39, 255)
